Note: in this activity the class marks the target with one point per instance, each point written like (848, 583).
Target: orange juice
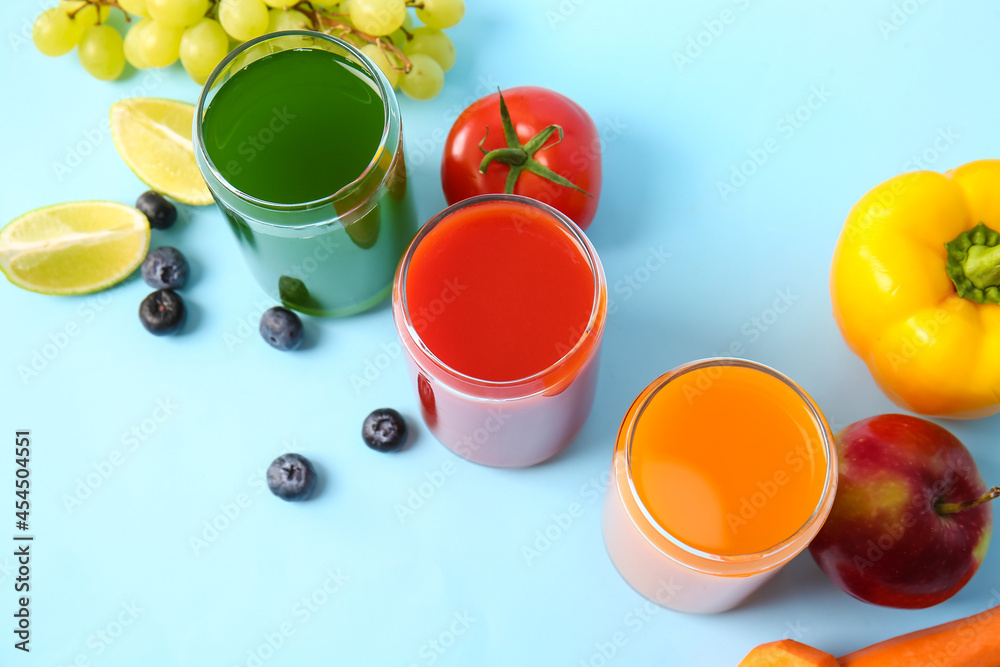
(723, 471)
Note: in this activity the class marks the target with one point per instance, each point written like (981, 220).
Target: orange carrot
(967, 642)
(787, 653)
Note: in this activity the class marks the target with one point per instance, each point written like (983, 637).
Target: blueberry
(291, 477)
(162, 312)
(160, 212)
(165, 268)
(281, 328)
(384, 430)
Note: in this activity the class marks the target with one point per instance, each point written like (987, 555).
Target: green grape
(159, 44)
(425, 79)
(353, 40)
(384, 62)
(55, 33)
(344, 9)
(433, 43)
(200, 79)
(134, 7)
(133, 48)
(279, 3)
(86, 16)
(399, 36)
(177, 13)
(101, 52)
(378, 17)
(203, 45)
(255, 52)
(292, 19)
(441, 14)
(243, 19)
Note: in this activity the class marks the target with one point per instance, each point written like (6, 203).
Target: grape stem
(416, 4)
(327, 22)
(98, 4)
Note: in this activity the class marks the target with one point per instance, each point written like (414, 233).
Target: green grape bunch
(200, 33)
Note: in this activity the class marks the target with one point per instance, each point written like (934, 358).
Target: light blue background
(673, 131)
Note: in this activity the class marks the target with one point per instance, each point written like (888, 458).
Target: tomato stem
(520, 157)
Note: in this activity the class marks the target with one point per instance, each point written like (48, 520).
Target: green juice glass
(299, 138)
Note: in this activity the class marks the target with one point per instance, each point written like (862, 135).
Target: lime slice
(153, 136)
(74, 248)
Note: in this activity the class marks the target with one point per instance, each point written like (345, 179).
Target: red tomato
(577, 158)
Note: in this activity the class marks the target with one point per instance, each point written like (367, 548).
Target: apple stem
(951, 508)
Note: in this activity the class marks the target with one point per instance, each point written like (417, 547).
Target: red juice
(500, 302)
(515, 309)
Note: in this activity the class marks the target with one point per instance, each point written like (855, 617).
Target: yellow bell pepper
(914, 286)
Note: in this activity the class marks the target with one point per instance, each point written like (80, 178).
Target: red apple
(910, 523)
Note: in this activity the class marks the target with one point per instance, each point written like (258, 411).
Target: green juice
(304, 157)
(294, 126)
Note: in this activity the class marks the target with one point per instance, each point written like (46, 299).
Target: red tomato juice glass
(500, 303)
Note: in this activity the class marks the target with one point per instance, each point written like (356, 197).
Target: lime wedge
(74, 248)
(153, 136)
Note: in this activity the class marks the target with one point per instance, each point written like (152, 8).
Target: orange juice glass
(723, 471)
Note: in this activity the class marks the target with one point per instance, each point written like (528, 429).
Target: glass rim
(821, 426)
(595, 323)
(384, 92)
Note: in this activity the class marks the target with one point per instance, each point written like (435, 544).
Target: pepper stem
(952, 508)
(974, 264)
(521, 157)
(982, 266)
